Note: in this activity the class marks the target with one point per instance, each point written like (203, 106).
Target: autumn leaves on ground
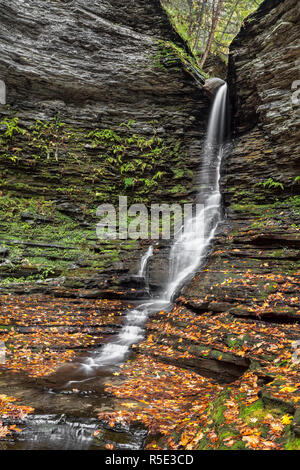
(182, 409)
(200, 380)
(41, 333)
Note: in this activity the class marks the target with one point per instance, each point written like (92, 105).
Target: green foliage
(106, 161)
(11, 128)
(293, 443)
(178, 173)
(9, 131)
(193, 21)
(270, 183)
(129, 182)
(128, 124)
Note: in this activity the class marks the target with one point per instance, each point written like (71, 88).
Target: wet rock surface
(104, 106)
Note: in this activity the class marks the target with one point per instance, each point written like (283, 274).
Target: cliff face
(99, 104)
(259, 181)
(98, 60)
(263, 73)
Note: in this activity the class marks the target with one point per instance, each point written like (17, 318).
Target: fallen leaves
(287, 419)
(40, 333)
(10, 411)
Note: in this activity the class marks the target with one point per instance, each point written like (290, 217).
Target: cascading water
(189, 249)
(144, 261)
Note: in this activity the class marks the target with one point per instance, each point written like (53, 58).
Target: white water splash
(144, 262)
(190, 248)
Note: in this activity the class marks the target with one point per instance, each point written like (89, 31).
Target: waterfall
(189, 249)
(144, 262)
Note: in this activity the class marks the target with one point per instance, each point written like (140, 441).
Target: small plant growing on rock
(11, 128)
(270, 183)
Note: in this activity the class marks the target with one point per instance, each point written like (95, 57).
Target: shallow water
(66, 419)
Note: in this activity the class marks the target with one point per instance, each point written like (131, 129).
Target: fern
(270, 183)
(129, 182)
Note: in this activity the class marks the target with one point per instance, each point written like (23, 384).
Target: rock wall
(99, 103)
(98, 60)
(263, 72)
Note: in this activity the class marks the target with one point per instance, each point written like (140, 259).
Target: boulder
(212, 84)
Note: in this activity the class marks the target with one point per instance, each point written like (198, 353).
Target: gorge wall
(264, 79)
(99, 104)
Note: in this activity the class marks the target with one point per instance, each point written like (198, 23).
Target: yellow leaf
(286, 419)
(184, 439)
(288, 389)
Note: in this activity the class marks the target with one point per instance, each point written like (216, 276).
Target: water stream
(144, 262)
(79, 386)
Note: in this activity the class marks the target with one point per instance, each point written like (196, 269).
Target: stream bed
(65, 419)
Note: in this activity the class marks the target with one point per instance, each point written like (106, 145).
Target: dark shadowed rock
(4, 252)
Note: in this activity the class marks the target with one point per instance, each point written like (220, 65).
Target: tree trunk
(215, 19)
(200, 19)
(229, 19)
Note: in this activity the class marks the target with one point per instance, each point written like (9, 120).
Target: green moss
(254, 410)
(170, 55)
(292, 444)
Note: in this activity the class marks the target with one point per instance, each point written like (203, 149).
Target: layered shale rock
(264, 73)
(100, 103)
